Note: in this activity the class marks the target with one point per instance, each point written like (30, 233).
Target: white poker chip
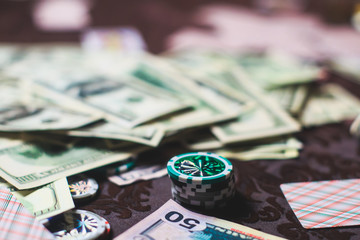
(79, 225)
(82, 187)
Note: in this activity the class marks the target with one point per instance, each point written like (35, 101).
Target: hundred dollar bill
(29, 164)
(283, 149)
(45, 201)
(281, 154)
(152, 74)
(125, 103)
(272, 69)
(267, 69)
(51, 58)
(266, 119)
(139, 174)
(272, 149)
(119, 100)
(22, 110)
(263, 118)
(329, 104)
(292, 98)
(209, 104)
(147, 135)
(173, 222)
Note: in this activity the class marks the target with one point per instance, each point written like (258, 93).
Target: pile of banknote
(65, 111)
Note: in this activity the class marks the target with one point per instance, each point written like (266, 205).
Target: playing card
(323, 204)
(16, 222)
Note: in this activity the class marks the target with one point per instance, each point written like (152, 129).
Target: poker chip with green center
(201, 178)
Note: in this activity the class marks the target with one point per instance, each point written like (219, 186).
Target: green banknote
(124, 103)
(329, 103)
(267, 69)
(45, 201)
(291, 98)
(283, 148)
(263, 118)
(24, 110)
(117, 99)
(32, 163)
(266, 119)
(172, 222)
(147, 135)
(286, 148)
(272, 70)
(209, 104)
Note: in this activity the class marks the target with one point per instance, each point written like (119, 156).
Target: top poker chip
(199, 168)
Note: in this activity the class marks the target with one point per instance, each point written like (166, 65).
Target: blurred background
(159, 21)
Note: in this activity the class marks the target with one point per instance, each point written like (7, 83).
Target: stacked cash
(65, 111)
(349, 68)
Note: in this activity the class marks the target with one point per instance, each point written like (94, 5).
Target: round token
(82, 187)
(106, 233)
(79, 225)
(199, 168)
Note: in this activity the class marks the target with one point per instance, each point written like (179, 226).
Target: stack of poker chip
(201, 179)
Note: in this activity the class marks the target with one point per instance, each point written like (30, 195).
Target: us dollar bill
(209, 105)
(147, 135)
(329, 103)
(274, 69)
(124, 103)
(173, 222)
(32, 163)
(263, 118)
(283, 148)
(121, 100)
(286, 148)
(291, 98)
(45, 201)
(270, 69)
(24, 110)
(280, 154)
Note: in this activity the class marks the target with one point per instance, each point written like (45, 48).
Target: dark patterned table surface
(330, 152)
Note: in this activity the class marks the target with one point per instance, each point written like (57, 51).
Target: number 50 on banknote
(172, 221)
